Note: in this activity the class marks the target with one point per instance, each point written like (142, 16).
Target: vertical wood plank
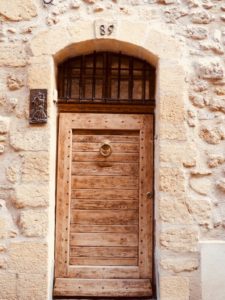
(146, 203)
(63, 195)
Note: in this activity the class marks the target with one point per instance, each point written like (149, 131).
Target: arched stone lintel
(134, 38)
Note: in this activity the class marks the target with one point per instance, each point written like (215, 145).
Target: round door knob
(105, 149)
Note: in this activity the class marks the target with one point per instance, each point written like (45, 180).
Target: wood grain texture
(101, 239)
(103, 228)
(106, 252)
(103, 287)
(104, 232)
(104, 217)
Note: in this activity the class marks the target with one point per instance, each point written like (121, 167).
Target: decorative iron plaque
(38, 106)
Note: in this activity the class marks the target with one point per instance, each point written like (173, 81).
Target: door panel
(103, 216)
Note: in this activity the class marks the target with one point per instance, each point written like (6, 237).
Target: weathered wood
(112, 261)
(104, 168)
(63, 196)
(96, 156)
(104, 217)
(97, 108)
(116, 147)
(146, 203)
(101, 272)
(106, 194)
(103, 287)
(104, 204)
(103, 228)
(101, 239)
(104, 252)
(91, 136)
(100, 182)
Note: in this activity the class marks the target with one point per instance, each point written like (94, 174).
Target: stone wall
(190, 155)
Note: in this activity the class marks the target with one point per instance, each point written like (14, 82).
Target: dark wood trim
(105, 108)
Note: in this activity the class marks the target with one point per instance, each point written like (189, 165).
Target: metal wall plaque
(38, 106)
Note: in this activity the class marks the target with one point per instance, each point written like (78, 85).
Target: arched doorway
(104, 214)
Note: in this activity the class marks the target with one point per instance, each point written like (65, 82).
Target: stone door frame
(50, 47)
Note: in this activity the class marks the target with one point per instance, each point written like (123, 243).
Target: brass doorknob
(105, 149)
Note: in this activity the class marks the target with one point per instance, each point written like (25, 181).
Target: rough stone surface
(30, 140)
(27, 256)
(18, 10)
(174, 288)
(171, 180)
(8, 285)
(7, 227)
(14, 83)
(178, 265)
(174, 210)
(35, 166)
(181, 239)
(29, 284)
(4, 125)
(201, 210)
(201, 184)
(31, 195)
(12, 55)
(33, 223)
(211, 70)
(212, 135)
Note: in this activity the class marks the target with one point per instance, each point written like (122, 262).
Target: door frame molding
(158, 47)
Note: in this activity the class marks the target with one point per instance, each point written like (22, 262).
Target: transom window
(104, 77)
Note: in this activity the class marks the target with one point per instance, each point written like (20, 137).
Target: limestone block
(213, 46)
(75, 4)
(211, 69)
(217, 104)
(31, 195)
(4, 125)
(41, 73)
(199, 100)
(29, 139)
(7, 227)
(174, 210)
(8, 289)
(35, 166)
(212, 269)
(18, 10)
(174, 288)
(170, 131)
(171, 180)
(221, 184)
(34, 223)
(2, 149)
(180, 239)
(14, 83)
(177, 153)
(201, 184)
(12, 55)
(27, 257)
(197, 32)
(178, 265)
(32, 286)
(214, 160)
(201, 17)
(3, 263)
(201, 210)
(50, 41)
(212, 135)
(13, 171)
(162, 45)
(139, 32)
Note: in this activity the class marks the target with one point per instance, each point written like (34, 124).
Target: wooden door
(104, 207)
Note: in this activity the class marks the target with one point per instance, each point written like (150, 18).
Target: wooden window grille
(105, 77)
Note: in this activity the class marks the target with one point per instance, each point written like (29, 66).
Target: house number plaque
(38, 106)
(105, 29)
